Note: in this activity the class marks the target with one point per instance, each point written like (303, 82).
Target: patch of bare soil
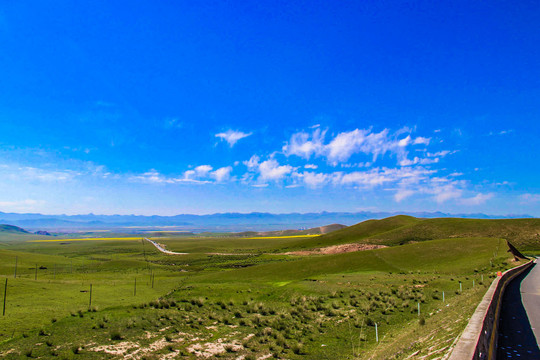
(116, 349)
(336, 249)
(211, 349)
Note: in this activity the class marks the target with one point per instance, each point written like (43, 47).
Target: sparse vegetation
(254, 304)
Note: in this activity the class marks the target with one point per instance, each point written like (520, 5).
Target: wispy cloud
(172, 123)
(21, 205)
(478, 199)
(305, 145)
(501, 132)
(232, 136)
(344, 145)
(529, 198)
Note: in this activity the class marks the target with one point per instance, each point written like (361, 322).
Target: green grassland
(253, 303)
(523, 233)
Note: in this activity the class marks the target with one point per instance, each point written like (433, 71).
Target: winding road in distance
(165, 251)
(519, 323)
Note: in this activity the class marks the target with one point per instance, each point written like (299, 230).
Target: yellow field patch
(280, 237)
(90, 239)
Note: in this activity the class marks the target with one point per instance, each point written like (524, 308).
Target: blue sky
(201, 107)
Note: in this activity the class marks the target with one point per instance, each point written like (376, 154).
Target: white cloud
(232, 136)
(222, 174)
(421, 140)
(342, 146)
(153, 176)
(253, 162)
(345, 144)
(402, 194)
(405, 141)
(417, 160)
(442, 153)
(304, 145)
(203, 170)
(478, 199)
(313, 180)
(271, 170)
(311, 166)
(443, 190)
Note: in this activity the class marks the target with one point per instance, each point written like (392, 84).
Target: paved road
(519, 326)
(160, 248)
(530, 295)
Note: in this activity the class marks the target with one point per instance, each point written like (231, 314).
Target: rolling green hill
(10, 233)
(401, 229)
(523, 233)
(12, 229)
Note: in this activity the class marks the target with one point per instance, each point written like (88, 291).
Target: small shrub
(76, 349)
(115, 335)
(297, 349)
(370, 322)
(422, 320)
(53, 320)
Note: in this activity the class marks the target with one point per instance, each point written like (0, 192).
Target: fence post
(5, 293)
(90, 302)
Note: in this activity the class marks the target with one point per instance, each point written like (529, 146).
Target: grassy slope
(440, 256)
(398, 230)
(523, 233)
(112, 267)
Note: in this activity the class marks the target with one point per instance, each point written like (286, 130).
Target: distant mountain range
(213, 222)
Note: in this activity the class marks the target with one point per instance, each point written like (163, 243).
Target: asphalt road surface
(519, 324)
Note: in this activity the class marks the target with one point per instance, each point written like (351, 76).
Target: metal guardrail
(479, 339)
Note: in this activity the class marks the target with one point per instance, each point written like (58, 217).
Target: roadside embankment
(479, 339)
